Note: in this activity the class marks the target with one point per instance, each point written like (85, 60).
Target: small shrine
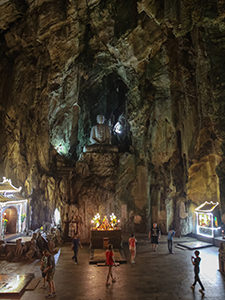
(208, 219)
(13, 209)
(105, 231)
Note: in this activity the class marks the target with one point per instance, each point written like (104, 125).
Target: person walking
(132, 248)
(154, 236)
(196, 262)
(75, 247)
(50, 271)
(170, 236)
(110, 263)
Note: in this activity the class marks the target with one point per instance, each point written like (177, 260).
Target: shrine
(208, 219)
(105, 232)
(13, 209)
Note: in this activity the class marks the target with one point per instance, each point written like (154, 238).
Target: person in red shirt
(132, 248)
(110, 263)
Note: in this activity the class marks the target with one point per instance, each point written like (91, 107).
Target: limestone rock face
(160, 63)
(10, 13)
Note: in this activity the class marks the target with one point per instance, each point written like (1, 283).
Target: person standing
(170, 236)
(73, 224)
(132, 248)
(44, 264)
(110, 263)
(75, 246)
(50, 271)
(196, 262)
(154, 236)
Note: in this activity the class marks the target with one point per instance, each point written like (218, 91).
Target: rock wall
(160, 63)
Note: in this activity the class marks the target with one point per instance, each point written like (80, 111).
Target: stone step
(33, 284)
(180, 247)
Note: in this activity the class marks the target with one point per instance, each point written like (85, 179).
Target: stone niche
(108, 183)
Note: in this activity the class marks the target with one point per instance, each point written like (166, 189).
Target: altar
(105, 232)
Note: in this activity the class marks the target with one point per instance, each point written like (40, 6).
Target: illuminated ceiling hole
(57, 217)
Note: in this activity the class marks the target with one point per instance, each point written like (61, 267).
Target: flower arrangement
(113, 220)
(105, 224)
(5, 221)
(96, 221)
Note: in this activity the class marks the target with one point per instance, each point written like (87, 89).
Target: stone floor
(154, 276)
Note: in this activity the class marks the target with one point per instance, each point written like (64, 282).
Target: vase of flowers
(23, 217)
(4, 223)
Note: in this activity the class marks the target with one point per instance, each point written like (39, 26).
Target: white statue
(100, 133)
(100, 138)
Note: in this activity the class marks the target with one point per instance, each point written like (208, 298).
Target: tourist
(110, 262)
(75, 247)
(132, 248)
(44, 263)
(50, 271)
(196, 262)
(154, 236)
(170, 236)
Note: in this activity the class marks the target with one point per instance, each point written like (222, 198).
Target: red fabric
(109, 258)
(132, 242)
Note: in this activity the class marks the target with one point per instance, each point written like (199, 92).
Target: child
(196, 262)
(110, 262)
(75, 246)
(44, 262)
(132, 248)
(50, 271)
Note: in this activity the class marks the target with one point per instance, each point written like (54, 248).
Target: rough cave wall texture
(160, 62)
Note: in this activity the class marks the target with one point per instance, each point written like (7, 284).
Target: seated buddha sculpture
(100, 133)
(100, 138)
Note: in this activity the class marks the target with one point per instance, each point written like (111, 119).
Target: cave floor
(154, 276)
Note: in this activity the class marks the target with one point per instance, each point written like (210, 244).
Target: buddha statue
(100, 133)
(100, 138)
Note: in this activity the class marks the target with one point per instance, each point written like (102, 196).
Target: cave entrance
(108, 97)
(11, 215)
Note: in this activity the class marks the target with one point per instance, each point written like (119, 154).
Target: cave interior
(159, 65)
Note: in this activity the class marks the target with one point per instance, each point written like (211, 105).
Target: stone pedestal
(98, 237)
(95, 187)
(95, 163)
(100, 148)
